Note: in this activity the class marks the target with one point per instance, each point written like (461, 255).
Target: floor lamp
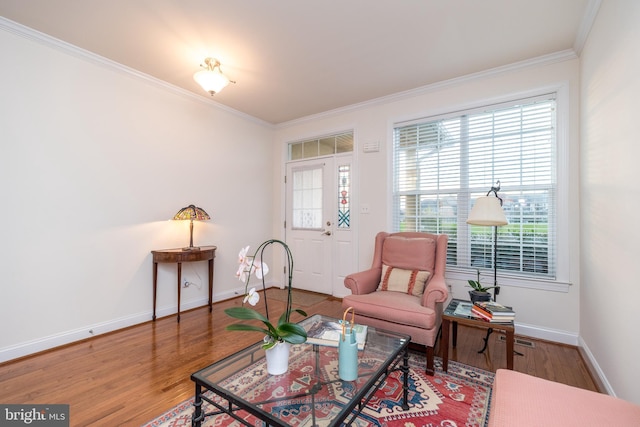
(488, 212)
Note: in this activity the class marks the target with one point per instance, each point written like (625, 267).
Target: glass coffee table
(310, 393)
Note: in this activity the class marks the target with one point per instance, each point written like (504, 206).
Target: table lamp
(191, 212)
(488, 212)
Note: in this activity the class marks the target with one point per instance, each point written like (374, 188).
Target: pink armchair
(390, 295)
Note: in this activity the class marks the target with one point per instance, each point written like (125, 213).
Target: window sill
(512, 280)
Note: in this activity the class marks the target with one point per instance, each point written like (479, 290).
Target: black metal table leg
(198, 416)
(405, 379)
(486, 340)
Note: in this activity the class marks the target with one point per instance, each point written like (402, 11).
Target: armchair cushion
(409, 253)
(410, 282)
(407, 309)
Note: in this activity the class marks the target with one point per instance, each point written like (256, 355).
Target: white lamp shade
(487, 211)
(212, 81)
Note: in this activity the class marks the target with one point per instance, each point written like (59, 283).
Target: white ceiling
(294, 58)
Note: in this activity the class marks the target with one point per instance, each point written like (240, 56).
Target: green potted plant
(479, 292)
(280, 335)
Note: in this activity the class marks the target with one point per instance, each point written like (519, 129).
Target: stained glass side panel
(344, 196)
(307, 199)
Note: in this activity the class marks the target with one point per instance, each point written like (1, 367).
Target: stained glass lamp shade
(191, 213)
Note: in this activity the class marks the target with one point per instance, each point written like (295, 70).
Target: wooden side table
(178, 256)
(449, 317)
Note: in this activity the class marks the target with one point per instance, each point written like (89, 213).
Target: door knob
(327, 233)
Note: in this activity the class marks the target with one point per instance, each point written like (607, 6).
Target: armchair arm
(435, 292)
(363, 282)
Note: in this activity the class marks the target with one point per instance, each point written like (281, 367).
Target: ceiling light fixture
(211, 78)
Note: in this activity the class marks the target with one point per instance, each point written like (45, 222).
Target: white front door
(318, 223)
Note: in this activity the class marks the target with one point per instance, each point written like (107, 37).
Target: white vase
(278, 358)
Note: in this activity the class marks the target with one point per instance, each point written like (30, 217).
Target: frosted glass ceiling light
(211, 78)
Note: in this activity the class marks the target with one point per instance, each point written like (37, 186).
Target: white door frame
(343, 241)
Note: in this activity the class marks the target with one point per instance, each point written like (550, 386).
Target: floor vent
(519, 341)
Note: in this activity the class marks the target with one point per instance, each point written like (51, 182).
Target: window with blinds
(442, 165)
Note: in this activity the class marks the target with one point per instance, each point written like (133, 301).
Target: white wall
(541, 313)
(610, 196)
(93, 163)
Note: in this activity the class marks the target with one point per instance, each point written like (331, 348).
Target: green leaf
(294, 339)
(245, 313)
(268, 345)
(292, 328)
(250, 314)
(282, 320)
(478, 287)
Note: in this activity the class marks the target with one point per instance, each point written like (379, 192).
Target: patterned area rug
(458, 398)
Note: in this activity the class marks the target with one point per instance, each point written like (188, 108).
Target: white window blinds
(442, 165)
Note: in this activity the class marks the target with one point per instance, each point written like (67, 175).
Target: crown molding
(70, 49)
(60, 45)
(585, 26)
(549, 59)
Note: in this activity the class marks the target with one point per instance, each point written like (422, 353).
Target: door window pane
(307, 199)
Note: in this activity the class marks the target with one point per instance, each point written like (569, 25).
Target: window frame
(561, 282)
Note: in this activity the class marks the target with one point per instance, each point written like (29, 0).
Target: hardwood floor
(129, 377)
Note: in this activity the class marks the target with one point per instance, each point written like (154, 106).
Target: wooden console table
(178, 256)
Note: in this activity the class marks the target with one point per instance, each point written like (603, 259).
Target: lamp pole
(496, 289)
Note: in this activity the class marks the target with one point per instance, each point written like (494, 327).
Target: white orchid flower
(244, 267)
(261, 269)
(242, 273)
(248, 266)
(242, 255)
(252, 297)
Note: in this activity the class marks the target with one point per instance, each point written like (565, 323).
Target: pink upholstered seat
(408, 312)
(523, 400)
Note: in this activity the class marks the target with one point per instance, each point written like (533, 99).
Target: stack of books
(493, 312)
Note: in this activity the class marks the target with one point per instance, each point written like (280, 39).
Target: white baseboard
(598, 371)
(88, 331)
(569, 338)
(57, 340)
(46, 343)
(547, 334)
